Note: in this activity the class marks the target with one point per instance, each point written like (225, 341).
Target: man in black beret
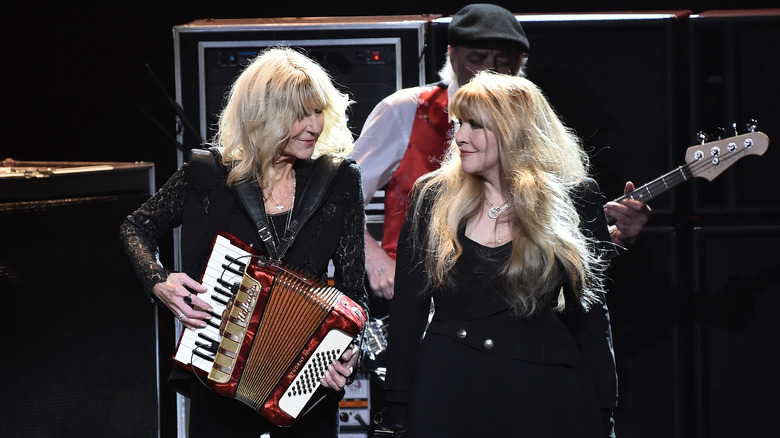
(406, 134)
(485, 37)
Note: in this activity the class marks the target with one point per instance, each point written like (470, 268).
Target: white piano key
(215, 270)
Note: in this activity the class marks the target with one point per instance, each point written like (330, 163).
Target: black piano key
(222, 291)
(203, 355)
(219, 300)
(232, 268)
(207, 339)
(212, 347)
(235, 261)
(224, 282)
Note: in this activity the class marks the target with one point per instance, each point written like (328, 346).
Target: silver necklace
(279, 207)
(289, 215)
(277, 236)
(494, 211)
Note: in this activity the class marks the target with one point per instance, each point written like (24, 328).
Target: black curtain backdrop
(76, 86)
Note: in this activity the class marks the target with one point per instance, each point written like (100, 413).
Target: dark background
(75, 85)
(694, 303)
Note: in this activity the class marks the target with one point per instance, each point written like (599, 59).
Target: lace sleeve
(142, 230)
(350, 258)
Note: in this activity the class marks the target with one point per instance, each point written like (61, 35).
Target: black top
(482, 370)
(199, 200)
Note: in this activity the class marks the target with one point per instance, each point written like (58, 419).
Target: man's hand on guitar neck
(630, 217)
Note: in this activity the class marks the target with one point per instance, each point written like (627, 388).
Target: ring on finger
(182, 316)
(188, 300)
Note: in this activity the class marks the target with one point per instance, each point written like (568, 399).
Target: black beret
(482, 23)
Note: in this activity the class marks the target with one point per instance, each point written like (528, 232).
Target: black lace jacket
(202, 204)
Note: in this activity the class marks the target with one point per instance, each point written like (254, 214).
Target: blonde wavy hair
(542, 161)
(278, 87)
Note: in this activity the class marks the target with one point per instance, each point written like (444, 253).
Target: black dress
(197, 198)
(479, 370)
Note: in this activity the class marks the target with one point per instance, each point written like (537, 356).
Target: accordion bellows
(279, 333)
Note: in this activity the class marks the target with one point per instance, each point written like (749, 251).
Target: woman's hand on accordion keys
(177, 294)
(339, 371)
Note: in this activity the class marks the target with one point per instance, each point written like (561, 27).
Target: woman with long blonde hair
(509, 240)
(277, 178)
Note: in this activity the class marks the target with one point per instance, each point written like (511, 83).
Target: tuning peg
(752, 125)
(720, 133)
(702, 137)
(734, 127)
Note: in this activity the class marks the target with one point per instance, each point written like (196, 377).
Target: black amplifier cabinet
(737, 330)
(368, 57)
(616, 79)
(648, 299)
(735, 63)
(81, 334)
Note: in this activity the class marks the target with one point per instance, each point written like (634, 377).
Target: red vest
(429, 140)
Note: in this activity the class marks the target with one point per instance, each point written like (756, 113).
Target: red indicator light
(375, 56)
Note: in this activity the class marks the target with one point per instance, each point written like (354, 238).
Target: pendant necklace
(278, 206)
(280, 237)
(494, 211)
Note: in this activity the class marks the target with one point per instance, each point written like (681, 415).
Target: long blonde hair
(541, 161)
(277, 88)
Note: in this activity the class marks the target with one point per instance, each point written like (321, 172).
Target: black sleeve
(592, 329)
(350, 258)
(590, 203)
(593, 332)
(142, 230)
(409, 311)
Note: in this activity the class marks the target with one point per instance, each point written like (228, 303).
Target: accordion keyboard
(223, 274)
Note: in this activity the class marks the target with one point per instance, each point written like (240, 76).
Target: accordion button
(461, 334)
(488, 344)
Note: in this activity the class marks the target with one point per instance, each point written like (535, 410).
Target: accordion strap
(312, 196)
(249, 196)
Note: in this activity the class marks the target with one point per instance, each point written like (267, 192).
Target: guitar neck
(656, 187)
(659, 185)
(707, 160)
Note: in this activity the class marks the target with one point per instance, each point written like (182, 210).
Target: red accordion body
(279, 332)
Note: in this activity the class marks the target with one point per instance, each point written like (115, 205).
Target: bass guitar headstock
(710, 158)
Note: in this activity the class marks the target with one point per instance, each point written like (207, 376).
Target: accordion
(273, 334)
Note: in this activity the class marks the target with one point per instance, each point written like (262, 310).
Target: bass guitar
(706, 160)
